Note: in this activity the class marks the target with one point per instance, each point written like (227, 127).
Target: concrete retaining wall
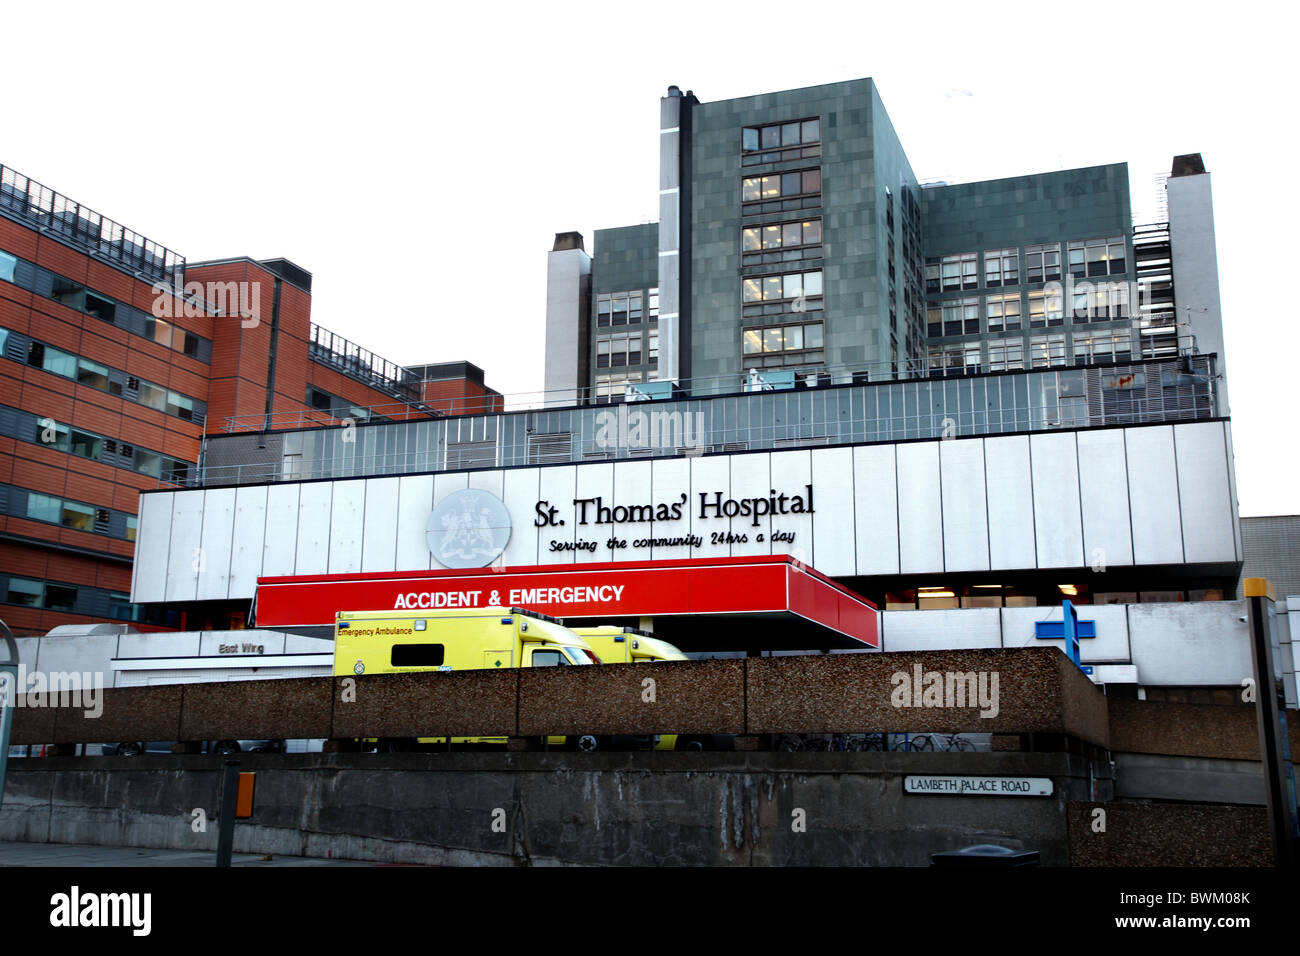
(605, 809)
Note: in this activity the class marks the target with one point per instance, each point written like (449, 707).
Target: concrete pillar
(568, 321)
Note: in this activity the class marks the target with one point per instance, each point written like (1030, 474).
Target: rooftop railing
(52, 212)
(1057, 398)
(804, 377)
(360, 364)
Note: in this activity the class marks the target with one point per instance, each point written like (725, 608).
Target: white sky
(418, 159)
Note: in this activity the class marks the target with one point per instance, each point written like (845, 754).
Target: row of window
(783, 338)
(781, 185)
(100, 377)
(26, 592)
(84, 444)
(1008, 354)
(1104, 303)
(609, 386)
(74, 599)
(779, 135)
(792, 285)
(78, 516)
(624, 308)
(620, 350)
(781, 242)
(781, 192)
(1087, 258)
(75, 295)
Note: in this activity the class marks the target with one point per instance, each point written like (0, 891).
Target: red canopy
(775, 589)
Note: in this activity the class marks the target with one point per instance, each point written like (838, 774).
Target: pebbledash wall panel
(1056, 500)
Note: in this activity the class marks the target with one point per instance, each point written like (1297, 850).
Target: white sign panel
(979, 786)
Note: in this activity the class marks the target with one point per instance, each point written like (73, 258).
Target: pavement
(67, 854)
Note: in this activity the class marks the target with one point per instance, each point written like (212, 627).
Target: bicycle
(942, 742)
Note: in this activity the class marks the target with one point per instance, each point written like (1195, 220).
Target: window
(1100, 302)
(1045, 308)
(781, 191)
(931, 276)
(103, 309)
(1006, 354)
(949, 360)
(620, 308)
(92, 374)
(1003, 312)
(44, 508)
(86, 445)
(934, 321)
(155, 397)
(417, 655)
(1097, 257)
(180, 405)
(120, 608)
(60, 598)
(69, 293)
(148, 463)
(158, 331)
(654, 305)
(781, 242)
(959, 272)
(80, 517)
(654, 348)
(778, 342)
(25, 592)
(52, 434)
(50, 359)
(961, 316)
(7, 266)
(1043, 263)
(321, 401)
(780, 142)
(546, 657)
(132, 523)
(1046, 350)
(1001, 267)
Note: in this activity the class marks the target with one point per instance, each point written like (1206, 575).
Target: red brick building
(116, 358)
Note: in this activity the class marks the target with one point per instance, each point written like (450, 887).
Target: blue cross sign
(1071, 628)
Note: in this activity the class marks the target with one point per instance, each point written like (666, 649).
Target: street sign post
(1274, 741)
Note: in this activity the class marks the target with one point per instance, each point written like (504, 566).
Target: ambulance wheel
(693, 743)
(587, 743)
(226, 747)
(130, 749)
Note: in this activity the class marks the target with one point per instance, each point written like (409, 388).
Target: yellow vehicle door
(496, 660)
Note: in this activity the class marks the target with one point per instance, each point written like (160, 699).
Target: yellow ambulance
(458, 639)
(627, 645)
(398, 642)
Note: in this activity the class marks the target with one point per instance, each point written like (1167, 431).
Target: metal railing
(53, 212)
(702, 426)
(365, 366)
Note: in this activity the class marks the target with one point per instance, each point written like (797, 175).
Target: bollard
(226, 825)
